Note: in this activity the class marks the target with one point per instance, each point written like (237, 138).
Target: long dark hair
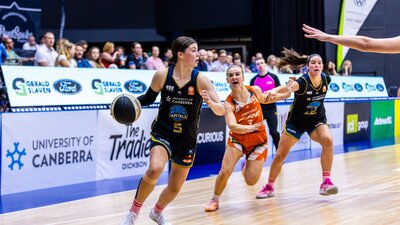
(294, 59)
(179, 45)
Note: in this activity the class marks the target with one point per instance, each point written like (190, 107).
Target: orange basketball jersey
(248, 114)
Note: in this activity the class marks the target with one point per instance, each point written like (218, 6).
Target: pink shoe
(328, 188)
(212, 206)
(266, 192)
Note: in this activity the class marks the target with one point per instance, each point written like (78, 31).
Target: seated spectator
(13, 58)
(201, 64)
(137, 58)
(220, 65)
(259, 55)
(93, 56)
(272, 64)
(346, 69)
(210, 59)
(3, 52)
(167, 58)
(109, 54)
(31, 44)
(46, 55)
(120, 61)
(229, 60)
(80, 60)
(253, 66)
(398, 92)
(66, 54)
(154, 62)
(330, 68)
(237, 61)
(84, 45)
(285, 69)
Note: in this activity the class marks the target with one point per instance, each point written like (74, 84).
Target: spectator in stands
(120, 61)
(109, 54)
(13, 58)
(66, 54)
(285, 69)
(272, 64)
(154, 62)
(42, 40)
(330, 68)
(210, 59)
(220, 65)
(136, 59)
(84, 45)
(398, 92)
(31, 44)
(93, 56)
(46, 55)
(229, 60)
(346, 69)
(253, 66)
(201, 64)
(3, 53)
(167, 58)
(80, 60)
(238, 62)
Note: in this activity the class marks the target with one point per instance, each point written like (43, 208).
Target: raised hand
(311, 32)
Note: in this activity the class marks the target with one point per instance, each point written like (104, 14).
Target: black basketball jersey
(308, 103)
(179, 113)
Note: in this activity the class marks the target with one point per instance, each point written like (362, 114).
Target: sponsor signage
(397, 118)
(211, 140)
(46, 150)
(55, 86)
(382, 119)
(303, 143)
(334, 116)
(123, 150)
(20, 19)
(356, 122)
(356, 87)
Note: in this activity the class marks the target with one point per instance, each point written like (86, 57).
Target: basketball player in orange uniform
(247, 136)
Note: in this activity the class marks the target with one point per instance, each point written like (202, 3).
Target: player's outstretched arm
(209, 95)
(361, 43)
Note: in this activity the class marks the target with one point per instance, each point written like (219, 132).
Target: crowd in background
(64, 53)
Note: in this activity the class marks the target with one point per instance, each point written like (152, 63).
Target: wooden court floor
(369, 193)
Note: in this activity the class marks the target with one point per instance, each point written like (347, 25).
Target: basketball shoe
(328, 188)
(129, 219)
(266, 192)
(212, 206)
(158, 218)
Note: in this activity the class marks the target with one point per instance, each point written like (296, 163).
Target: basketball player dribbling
(174, 131)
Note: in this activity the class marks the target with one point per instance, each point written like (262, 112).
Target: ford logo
(135, 86)
(358, 87)
(380, 87)
(334, 87)
(67, 87)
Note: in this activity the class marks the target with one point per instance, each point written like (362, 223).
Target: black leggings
(271, 115)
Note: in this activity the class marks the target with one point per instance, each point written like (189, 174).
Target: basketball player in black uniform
(307, 114)
(174, 131)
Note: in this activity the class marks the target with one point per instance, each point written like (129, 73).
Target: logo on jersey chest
(169, 87)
